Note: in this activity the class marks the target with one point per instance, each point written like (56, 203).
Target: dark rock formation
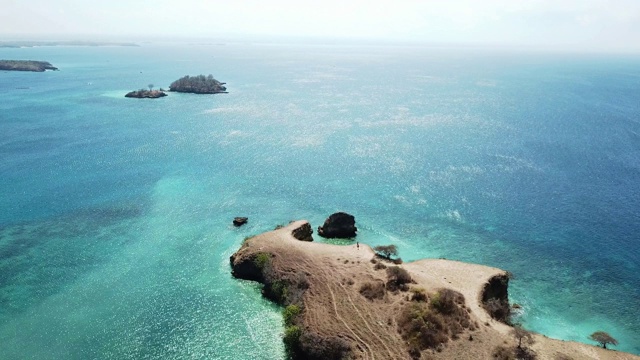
(26, 65)
(146, 94)
(239, 221)
(338, 225)
(246, 267)
(303, 233)
(198, 85)
(495, 298)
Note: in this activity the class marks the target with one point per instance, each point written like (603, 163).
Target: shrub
(290, 313)
(503, 353)
(373, 290)
(292, 338)
(397, 278)
(421, 327)
(262, 260)
(386, 251)
(447, 301)
(418, 294)
(316, 347)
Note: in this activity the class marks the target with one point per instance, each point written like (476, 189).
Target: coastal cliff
(345, 302)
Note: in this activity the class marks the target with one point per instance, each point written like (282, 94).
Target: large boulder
(338, 225)
(303, 232)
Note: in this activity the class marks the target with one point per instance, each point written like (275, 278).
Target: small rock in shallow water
(239, 221)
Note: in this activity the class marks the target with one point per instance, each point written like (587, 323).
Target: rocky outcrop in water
(146, 94)
(240, 220)
(338, 225)
(495, 298)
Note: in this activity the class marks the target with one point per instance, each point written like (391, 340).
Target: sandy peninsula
(341, 303)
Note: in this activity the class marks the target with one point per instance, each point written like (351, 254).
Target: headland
(26, 65)
(349, 302)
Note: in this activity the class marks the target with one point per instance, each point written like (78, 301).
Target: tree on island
(603, 338)
(150, 87)
(386, 251)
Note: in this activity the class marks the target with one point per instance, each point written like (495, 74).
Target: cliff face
(495, 297)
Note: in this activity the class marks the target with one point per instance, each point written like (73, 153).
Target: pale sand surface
(334, 305)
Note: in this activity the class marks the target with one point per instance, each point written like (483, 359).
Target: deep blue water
(115, 229)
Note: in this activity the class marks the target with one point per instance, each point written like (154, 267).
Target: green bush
(290, 313)
(261, 260)
(292, 338)
(279, 291)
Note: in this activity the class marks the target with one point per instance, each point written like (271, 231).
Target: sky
(582, 24)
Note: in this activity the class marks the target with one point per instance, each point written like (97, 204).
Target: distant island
(23, 44)
(26, 65)
(198, 85)
(146, 94)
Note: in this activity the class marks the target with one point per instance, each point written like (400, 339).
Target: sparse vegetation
(521, 334)
(373, 290)
(603, 339)
(430, 325)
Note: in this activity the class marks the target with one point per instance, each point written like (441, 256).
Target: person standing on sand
(357, 245)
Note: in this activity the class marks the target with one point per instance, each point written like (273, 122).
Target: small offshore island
(355, 302)
(26, 65)
(146, 94)
(198, 85)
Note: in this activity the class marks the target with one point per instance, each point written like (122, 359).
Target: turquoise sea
(115, 221)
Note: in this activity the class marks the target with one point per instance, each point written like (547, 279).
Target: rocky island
(198, 85)
(26, 65)
(351, 302)
(146, 94)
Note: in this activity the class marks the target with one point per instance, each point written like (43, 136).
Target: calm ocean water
(115, 229)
